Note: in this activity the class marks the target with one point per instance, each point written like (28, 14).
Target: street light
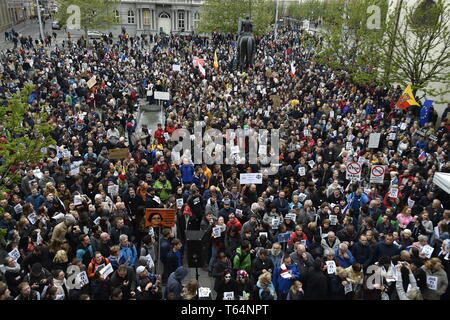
(40, 20)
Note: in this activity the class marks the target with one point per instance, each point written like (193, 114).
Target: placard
(82, 279)
(176, 67)
(377, 173)
(228, 295)
(348, 288)
(239, 213)
(393, 193)
(167, 217)
(291, 216)
(411, 203)
(311, 163)
(353, 171)
(216, 231)
(427, 251)
(262, 149)
(77, 200)
(302, 197)
(432, 282)
(166, 136)
(250, 178)
(301, 171)
(113, 190)
(161, 95)
(392, 136)
(118, 153)
(275, 223)
(32, 218)
(284, 237)
(204, 292)
(333, 219)
(331, 267)
(18, 208)
(92, 81)
(180, 203)
(15, 254)
(374, 140)
(97, 220)
(107, 270)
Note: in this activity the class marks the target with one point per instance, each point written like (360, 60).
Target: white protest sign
(151, 232)
(82, 279)
(377, 174)
(39, 239)
(263, 234)
(239, 212)
(38, 174)
(180, 203)
(402, 126)
(311, 163)
(393, 193)
(302, 197)
(18, 208)
(58, 216)
(432, 282)
(77, 200)
(275, 223)
(411, 203)
(333, 219)
(234, 149)
(97, 221)
(348, 288)
(262, 149)
(15, 254)
(291, 216)
(166, 136)
(353, 171)
(427, 251)
(113, 190)
(331, 267)
(176, 67)
(250, 178)
(348, 145)
(32, 218)
(392, 136)
(374, 140)
(107, 270)
(204, 292)
(228, 295)
(301, 171)
(436, 232)
(216, 232)
(150, 262)
(160, 95)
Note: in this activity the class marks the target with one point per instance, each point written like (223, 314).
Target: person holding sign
(272, 217)
(284, 277)
(437, 280)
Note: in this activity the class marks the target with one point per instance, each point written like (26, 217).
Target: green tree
(309, 9)
(421, 54)
(21, 143)
(223, 15)
(94, 14)
(352, 38)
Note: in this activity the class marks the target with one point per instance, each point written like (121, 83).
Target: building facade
(155, 16)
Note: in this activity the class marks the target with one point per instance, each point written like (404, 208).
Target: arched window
(130, 16)
(164, 15)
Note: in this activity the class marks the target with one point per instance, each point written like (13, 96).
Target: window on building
(116, 16)
(196, 19)
(130, 16)
(147, 17)
(181, 24)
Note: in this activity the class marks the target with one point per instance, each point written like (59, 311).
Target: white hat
(140, 269)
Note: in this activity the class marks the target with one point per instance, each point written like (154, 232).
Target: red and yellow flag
(216, 61)
(407, 99)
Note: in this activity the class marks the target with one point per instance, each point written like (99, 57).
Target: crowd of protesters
(78, 210)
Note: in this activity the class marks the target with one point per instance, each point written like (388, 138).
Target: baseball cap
(140, 269)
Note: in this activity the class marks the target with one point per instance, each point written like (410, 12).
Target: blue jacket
(345, 263)
(128, 256)
(36, 201)
(264, 295)
(281, 284)
(355, 202)
(187, 173)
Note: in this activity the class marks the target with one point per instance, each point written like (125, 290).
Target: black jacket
(259, 265)
(315, 285)
(362, 254)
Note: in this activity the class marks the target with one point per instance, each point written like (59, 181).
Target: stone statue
(246, 44)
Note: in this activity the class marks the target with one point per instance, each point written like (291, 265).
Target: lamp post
(38, 7)
(276, 21)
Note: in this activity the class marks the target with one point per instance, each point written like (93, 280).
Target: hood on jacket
(181, 273)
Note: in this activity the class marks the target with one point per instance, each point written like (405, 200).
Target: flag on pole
(425, 112)
(407, 99)
(197, 61)
(216, 61)
(293, 69)
(202, 70)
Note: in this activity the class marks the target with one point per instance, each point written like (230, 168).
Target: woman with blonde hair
(404, 218)
(296, 291)
(190, 290)
(266, 289)
(60, 261)
(437, 281)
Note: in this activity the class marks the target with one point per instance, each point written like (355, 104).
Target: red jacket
(295, 237)
(236, 223)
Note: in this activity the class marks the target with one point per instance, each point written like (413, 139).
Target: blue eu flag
(425, 112)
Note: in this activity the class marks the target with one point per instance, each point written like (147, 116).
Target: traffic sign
(377, 174)
(353, 171)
